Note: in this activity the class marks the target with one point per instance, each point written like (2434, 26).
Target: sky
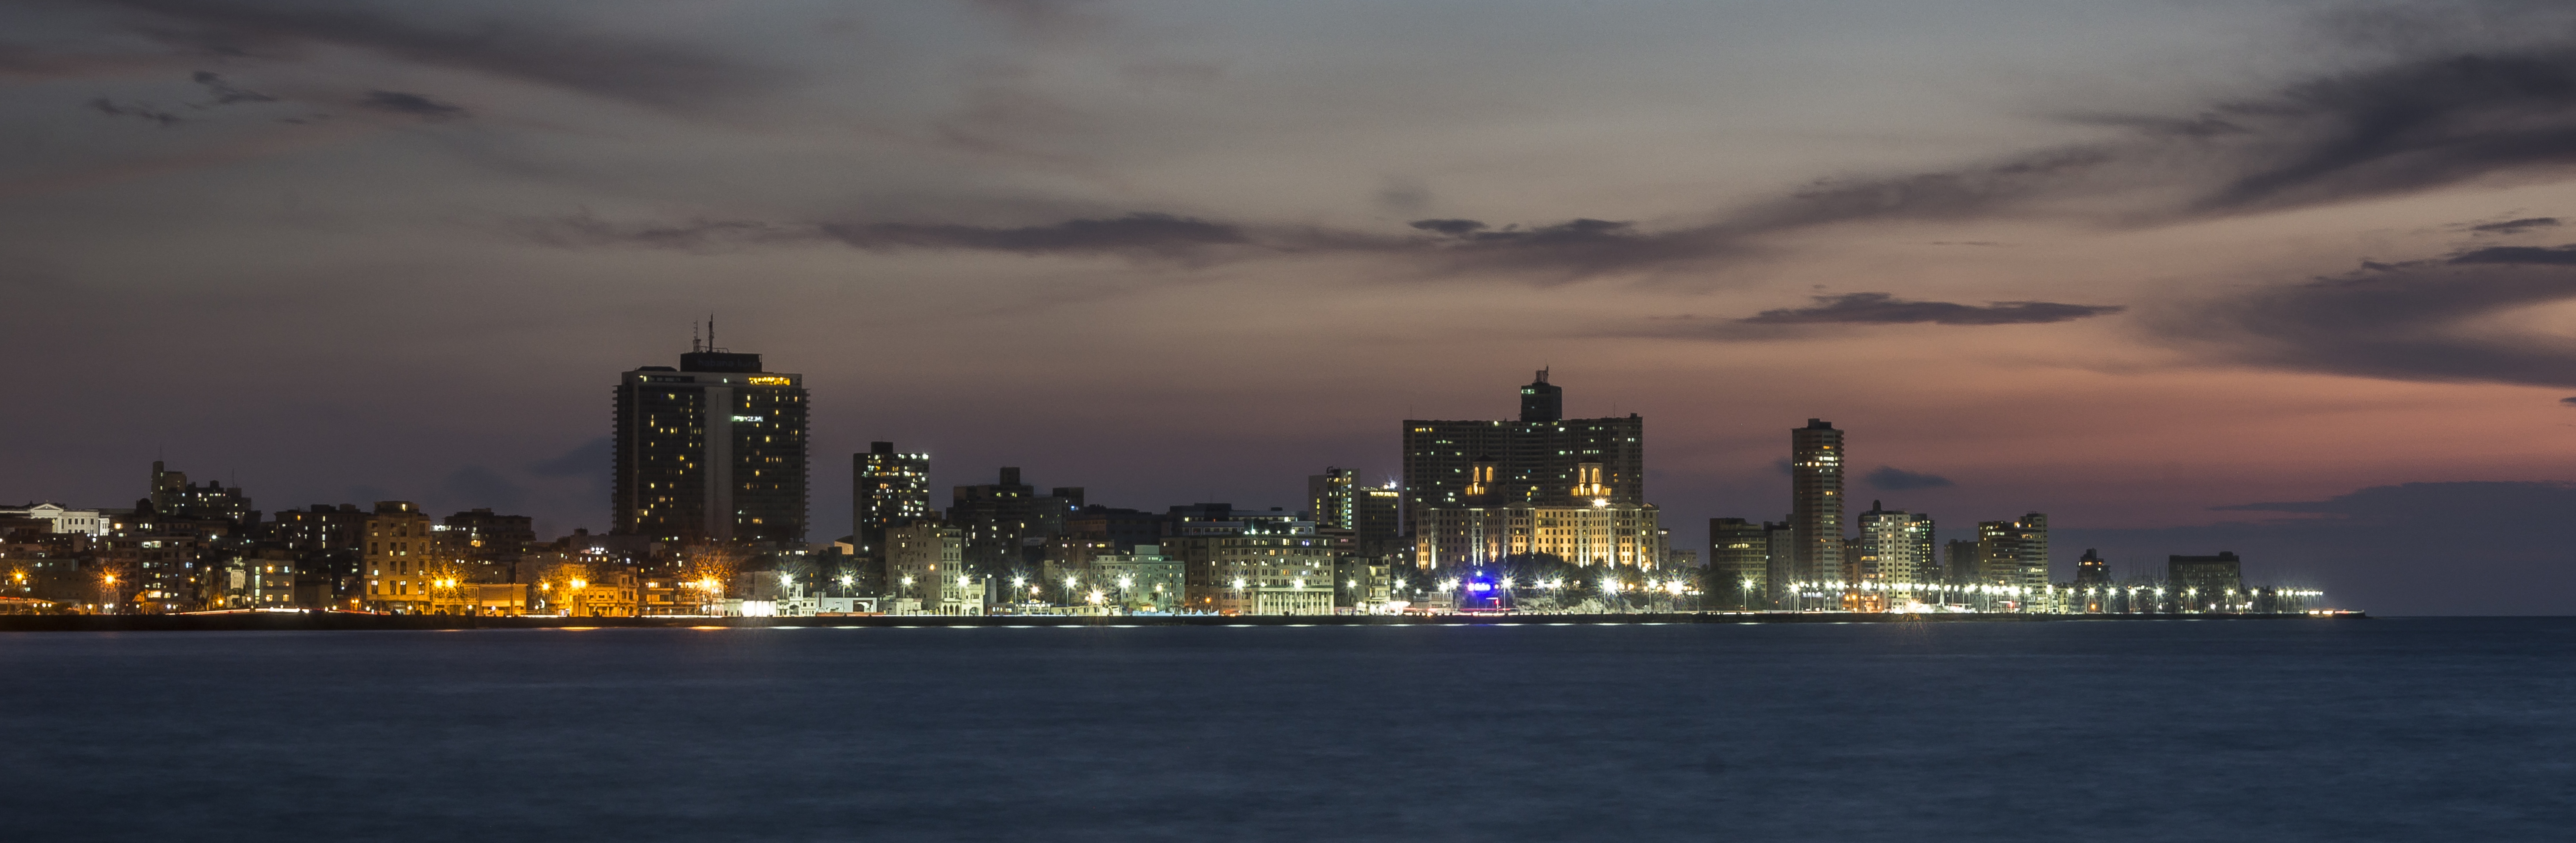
(2295, 279)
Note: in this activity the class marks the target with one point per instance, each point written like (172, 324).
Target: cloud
(2533, 255)
(2568, 401)
(227, 93)
(1886, 309)
(541, 52)
(2515, 226)
(1140, 234)
(2424, 320)
(2407, 125)
(416, 105)
(1896, 479)
(584, 460)
(143, 111)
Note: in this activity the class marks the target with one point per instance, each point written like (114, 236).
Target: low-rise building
(1143, 580)
(60, 519)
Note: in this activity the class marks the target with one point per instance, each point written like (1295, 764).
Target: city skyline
(2147, 270)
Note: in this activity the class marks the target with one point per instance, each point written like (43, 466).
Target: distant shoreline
(347, 621)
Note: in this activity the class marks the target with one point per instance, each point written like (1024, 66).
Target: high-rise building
(1536, 460)
(1899, 542)
(1816, 499)
(1332, 496)
(1739, 563)
(1369, 512)
(711, 451)
(2014, 553)
(887, 489)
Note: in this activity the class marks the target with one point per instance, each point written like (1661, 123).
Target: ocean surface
(2387, 729)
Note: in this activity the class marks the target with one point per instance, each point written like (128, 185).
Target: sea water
(2384, 729)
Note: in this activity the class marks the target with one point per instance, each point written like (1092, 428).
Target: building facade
(1600, 534)
(1536, 458)
(400, 558)
(2014, 553)
(1257, 573)
(888, 488)
(1816, 500)
(926, 563)
(1900, 545)
(999, 521)
(1141, 579)
(1739, 563)
(714, 450)
(2206, 583)
(58, 519)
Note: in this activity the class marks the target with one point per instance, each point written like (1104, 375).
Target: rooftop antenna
(711, 332)
(693, 338)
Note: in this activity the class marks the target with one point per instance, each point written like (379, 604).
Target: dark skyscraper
(887, 489)
(1816, 499)
(1542, 401)
(1537, 460)
(711, 451)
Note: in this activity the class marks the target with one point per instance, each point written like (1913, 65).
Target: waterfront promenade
(293, 621)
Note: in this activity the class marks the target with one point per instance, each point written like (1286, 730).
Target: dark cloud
(2515, 226)
(1896, 479)
(227, 93)
(2559, 256)
(2425, 320)
(143, 111)
(542, 52)
(586, 459)
(1160, 234)
(2414, 548)
(1452, 228)
(1136, 234)
(1885, 309)
(2404, 126)
(416, 105)
(2568, 401)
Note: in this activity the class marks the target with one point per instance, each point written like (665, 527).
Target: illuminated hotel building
(711, 451)
(1535, 458)
(1491, 528)
(1816, 500)
(889, 489)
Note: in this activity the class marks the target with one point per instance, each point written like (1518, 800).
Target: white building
(87, 521)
